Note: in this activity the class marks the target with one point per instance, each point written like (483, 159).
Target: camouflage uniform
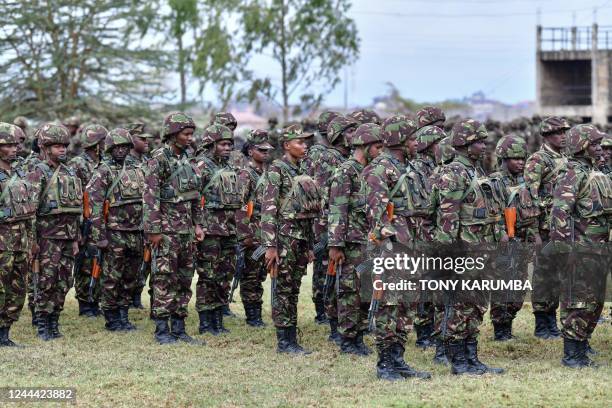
(466, 214)
(171, 206)
(121, 185)
(541, 171)
(363, 116)
(17, 210)
(430, 116)
(83, 164)
(348, 230)
(59, 211)
(290, 201)
(582, 200)
(216, 257)
(247, 227)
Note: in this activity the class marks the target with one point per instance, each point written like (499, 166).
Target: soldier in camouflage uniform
(172, 220)
(606, 145)
(92, 139)
(582, 200)
(511, 152)
(17, 210)
(73, 123)
(387, 187)
(348, 234)
(117, 234)
(23, 138)
(236, 158)
(216, 258)
(466, 215)
(290, 201)
(430, 116)
(363, 116)
(60, 205)
(315, 155)
(257, 149)
(541, 171)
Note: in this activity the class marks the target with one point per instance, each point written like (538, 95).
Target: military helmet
(511, 147)
(365, 116)
(72, 121)
(466, 132)
(176, 122)
(325, 119)
(428, 135)
(339, 125)
(226, 119)
(10, 134)
(51, 133)
(429, 115)
(553, 124)
(259, 138)
(446, 151)
(606, 143)
(293, 132)
(366, 134)
(92, 134)
(396, 129)
(217, 132)
(20, 121)
(135, 129)
(580, 136)
(117, 137)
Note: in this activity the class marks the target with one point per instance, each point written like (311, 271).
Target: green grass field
(243, 369)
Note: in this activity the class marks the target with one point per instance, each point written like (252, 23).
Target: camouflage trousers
(319, 269)
(122, 260)
(393, 324)
(352, 312)
(216, 262)
(505, 306)
(13, 272)
(293, 254)
(424, 313)
(55, 277)
(545, 283)
(253, 276)
(81, 282)
(171, 282)
(458, 321)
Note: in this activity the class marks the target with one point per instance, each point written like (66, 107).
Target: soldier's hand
(199, 233)
(75, 248)
(248, 242)
(271, 257)
(336, 255)
(102, 244)
(154, 239)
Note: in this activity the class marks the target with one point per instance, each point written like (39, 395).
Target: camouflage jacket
(16, 230)
(133, 160)
(31, 161)
(541, 171)
(381, 175)
(125, 199)
(425, 226)
(347, 221)
(312, 156)
(456, 221)
(276, 186)
(167, 216)
(84, 166)
(216, 221)
(64, 226)
(577, 196)
(249, 178)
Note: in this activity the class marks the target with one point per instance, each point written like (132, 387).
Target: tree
(62, 56)
(310, 40)
(183, 16)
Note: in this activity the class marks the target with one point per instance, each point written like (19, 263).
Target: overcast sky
(442, 49)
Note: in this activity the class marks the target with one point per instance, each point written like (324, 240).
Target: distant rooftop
(575, 38)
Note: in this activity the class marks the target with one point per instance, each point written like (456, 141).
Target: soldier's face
(374, 150)
(594, 150)
(120, 152)
(411, 146)
(57, 152)
(557, 140)
(296, 148)
(224, 148)
(607, 153)
(477, 149)
(516, 166)
(184, 138)
(8, 152)
(141, 144)
(260, 155)
(72, 129)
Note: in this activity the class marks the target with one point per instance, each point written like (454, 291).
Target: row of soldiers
(186, 208)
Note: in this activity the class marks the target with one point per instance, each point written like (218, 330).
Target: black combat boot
(250, 313)
(217, 321)
(206, 325)
(53, 322)
(574, 354)
(541, 325)
(113, 322)
(423, 333)
(397, 351)
(94, 308)
(257, 315)
(333, 332)
(283, 344)
(321, 317)
(440, 355)
(227, 311)
(5, 341)
(456, 354)
(42, 327)
(553, 330)
(126, 325)
(361, 346)
(137, 301)
(293, 340)
(178, 331)
(500, 332)
(347, 346)
(84, 308)
(471, 348)
(385, 367)
(162, 333)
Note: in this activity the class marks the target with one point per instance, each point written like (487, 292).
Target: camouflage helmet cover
(293, 132)
(511, 147)
(117, 137)
(217, 132)
(92, 134)
(429, 115)
(427, 136)
(396, 129)
(51, 133)
(339, 125)
(226, 119)
(365, 116)
(446, 151)
(466, 132)
(606, 143)
(20, 121)
(259, 139)
(135, 129)
(325, 119)
(10, 134)
(72, 121)
(580, 136)
(366, 134)
(553, 124)
(176, 122)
